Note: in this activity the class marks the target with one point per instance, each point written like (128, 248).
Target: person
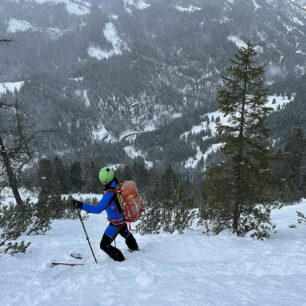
(115, 215)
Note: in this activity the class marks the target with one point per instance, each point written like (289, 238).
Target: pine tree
(169, 208)
(76, 180)
(293, 170)
(236, 189)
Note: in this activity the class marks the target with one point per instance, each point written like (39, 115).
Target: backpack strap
(115, 199)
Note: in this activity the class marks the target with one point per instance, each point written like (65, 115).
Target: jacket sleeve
(96, 209)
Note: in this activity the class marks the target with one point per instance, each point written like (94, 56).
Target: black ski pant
(110, 234)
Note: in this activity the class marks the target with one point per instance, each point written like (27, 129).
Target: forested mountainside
(95, 71)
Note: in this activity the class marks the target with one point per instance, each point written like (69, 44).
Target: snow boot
(131, 243)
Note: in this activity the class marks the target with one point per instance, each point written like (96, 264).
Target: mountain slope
(94, 70)
(176, 269)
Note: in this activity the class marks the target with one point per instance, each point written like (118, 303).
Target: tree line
(237, 192)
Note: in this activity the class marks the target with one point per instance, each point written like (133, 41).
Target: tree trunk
(237, 205)
(10, 172)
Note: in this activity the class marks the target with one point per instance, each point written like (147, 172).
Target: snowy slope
(10, 86)
(189, 269)
(111, 36)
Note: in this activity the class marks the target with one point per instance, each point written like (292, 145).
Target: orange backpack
(130, 200)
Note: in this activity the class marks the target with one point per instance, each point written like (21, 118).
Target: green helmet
(106, 175)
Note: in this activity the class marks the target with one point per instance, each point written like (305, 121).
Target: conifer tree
(293, 168)
(170, 209)
(76, 180)
(236, 190)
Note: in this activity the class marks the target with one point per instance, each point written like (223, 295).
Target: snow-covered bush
(31, 219)
(301, 217)
(14, 222)
(169, 209)
(154, 220)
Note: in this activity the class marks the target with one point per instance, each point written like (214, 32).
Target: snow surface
(136, 4)
(241, 43)
(256, 5)
(274, 101)
(190, 269)
(101, 133)
(7, 197)
(10, 86)
(133, 152)
(210, 127)
(192, 162)
(279, 102)
(111, 35)
(237, 41)
(15, 25)
(73, 7)
(190, 9)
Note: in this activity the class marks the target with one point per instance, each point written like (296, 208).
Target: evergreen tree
(236, 190)
(293, 176)
(45, 170)
(169, 208)
(60, 176)
(76, 180)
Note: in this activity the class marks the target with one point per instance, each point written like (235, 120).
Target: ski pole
(80, 217)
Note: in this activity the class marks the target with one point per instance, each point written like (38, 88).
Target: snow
(279, 102)
(101, 133)
(10, 86)
(86, 100)
(73, 7)
(78, 79)
(298, 21)
(300, 52)
(111, 35)
(190, 9)
(83, 94)
(80, 9)
(190, 269)
(192, 162)
(137, 4)
(210, 127)
(256, 5)
(237, 41)
(15, 25)
(274, 101)
(133, 153)
(7, 197)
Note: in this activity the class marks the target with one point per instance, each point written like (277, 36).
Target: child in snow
(117, 223)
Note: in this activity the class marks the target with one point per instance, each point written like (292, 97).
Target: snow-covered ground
(7, 197)
(190, 9)
(133, 152)
(111, 35)
(10, 86)
(192, 162)
(135, 4)
(188, 269)
(15, 25)
(73, 7)
(209, 125)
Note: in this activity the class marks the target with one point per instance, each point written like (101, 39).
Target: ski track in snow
(189, 269)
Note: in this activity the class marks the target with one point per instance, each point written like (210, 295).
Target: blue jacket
(108, 204)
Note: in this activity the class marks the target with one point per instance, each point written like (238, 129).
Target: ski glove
(76, 204)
